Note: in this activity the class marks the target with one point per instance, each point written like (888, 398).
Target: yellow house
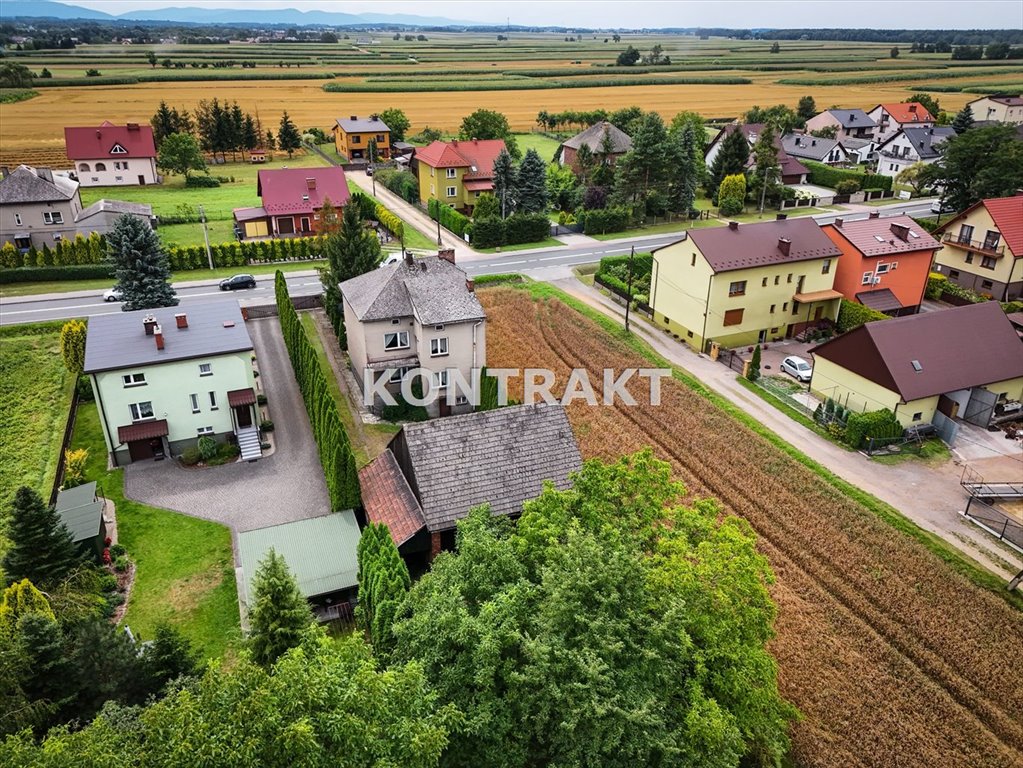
(352, 137)
(745, 283)
(982, 248)
(966, 363)
(457, 172)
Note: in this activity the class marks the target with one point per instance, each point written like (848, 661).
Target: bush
(826, 176)
(488, 232)
(730, 206)
(190, 456)
(401, 183)
(603, 220)
(388, 220)
(122, 563)
(261, 399)
(613, 273)
(526, 228)
(266, 425)
(874, 424)
(935, 286)
(202, 182)
(118, 550)
(847, 186)
(74, 467)
(207, 447)
(49, 274)
(225, 454)
(949, 288)
(449, 217)
(852, 315)
(84, 389)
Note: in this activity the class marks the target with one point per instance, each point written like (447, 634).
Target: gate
(948, 430)
(732, 359)
(981, 407)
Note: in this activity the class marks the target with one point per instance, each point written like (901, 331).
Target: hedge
(852, 315)
(52, 274)
(613, 273)
(600, 221)
(826, 176)
(449, 217)
(401, 183)
(935, 286)
(517, 228)
(878, 425)
(505, 277)
(395, 225)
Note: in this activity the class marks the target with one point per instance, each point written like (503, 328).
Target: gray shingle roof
(593, 137)
(80, 511)
(362, 125)
(809, 147)
(119, 340)
(501, 457)
(927, 140)
(852, 118)
(24, 185)
(116, 206)
(433, 290)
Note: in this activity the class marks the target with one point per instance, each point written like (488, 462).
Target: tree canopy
(981, 163)
(531, 184)
(41, 549)
(488, 124)
(288, 137)
(140, 265)
(397, 121)
(180, 153)
(351, 250)
(730, 160)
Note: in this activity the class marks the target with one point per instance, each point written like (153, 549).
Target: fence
(732, 359)
(69, 428)
(257, 311)
(997, 523)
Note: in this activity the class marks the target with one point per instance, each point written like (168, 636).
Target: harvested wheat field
(893, 658)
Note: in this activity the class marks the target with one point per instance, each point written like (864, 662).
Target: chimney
(874, 215)
(733, 225)
(409, 259)
(901, 231)
(470, 285)
(149, 323)
(374, 118)
(912, 107)
(839, 222)
(813, 143)
(158, 334)
(4, 171)
(99, 134)
(784, 245)
(133, 126)
(182, 320)
(354, 117)
(780, 216)
(45, 174)
(454, 142)
(310, 182)
(448, 254)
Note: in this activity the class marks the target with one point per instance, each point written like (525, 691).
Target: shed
(81, 511)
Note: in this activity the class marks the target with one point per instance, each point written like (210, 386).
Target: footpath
(929, 496)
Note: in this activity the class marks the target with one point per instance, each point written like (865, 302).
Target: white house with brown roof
(998, 108)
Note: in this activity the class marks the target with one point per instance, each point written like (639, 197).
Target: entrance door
(818, 313)
(243, 413)
(139, 450)
(305, 224)
(762, 337)
(142, 180)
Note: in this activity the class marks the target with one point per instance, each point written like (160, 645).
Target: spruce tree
(288, 137)
(168, 657)
(140, 265)
(730, 160)
(278, 613)
(963, 120)
(504, 183)
(683, 171)
(351, 250)
(49, 676)
(531, 184)
(41, 550)
(753, 372)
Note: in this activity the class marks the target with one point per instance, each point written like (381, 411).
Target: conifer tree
(504, 183)
(383, 582)
(531, 184)
(730, 160)
(72, 346)
(19, 599)
(963, 120)
(50, 676)
(288, 137)
(683, 171)
(140, 265)
(278, 614)
(753, 372)
(41, 550)
(351, 250)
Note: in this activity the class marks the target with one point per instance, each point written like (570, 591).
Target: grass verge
(414, 239)
(549, 242)
(184, 566)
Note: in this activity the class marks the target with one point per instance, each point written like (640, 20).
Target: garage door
(256, 229)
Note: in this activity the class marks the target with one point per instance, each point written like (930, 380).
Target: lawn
(549, 242)
(544, 145)
(680, 226)
(35, 394)
(185, 570)
(220, 231)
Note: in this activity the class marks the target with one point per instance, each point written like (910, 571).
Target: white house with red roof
(892, 118)
(457, 172)
(292, 200)
(113, 155)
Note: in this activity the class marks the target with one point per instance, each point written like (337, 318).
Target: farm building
(113, 155)
(292, 200)
(965, 362)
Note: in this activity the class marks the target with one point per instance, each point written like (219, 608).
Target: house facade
(352, 137)
(113, 155)
(982, 248)
(885, 263)
(806, 147)
(921, 364)
(892, 118)
(909, 146)
(792, 171)
(745, 283)
(457, 172)
(163, 378)
(998, 108)
(597, 137)
(416, 313)
(848, 124)
(292, 201)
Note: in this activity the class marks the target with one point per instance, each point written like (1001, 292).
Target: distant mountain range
(185, 15)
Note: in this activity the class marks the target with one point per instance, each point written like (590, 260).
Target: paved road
(28, 309)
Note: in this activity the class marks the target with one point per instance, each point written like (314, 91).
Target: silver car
(112, 294)
(797, 367)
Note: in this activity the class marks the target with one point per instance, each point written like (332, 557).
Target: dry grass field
(893, 658)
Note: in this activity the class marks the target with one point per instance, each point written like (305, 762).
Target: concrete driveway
(286, 486)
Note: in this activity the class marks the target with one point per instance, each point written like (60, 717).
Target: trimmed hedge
(826, 176)
(879, 425)
(518, 228)
(935, 286)
(449, 218)
(613, 273)
(852, 315)
(202, 181)
(387, 219)
(52, 274)
(507, 277)
(600, 221)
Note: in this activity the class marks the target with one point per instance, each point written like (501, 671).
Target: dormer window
(117, 149)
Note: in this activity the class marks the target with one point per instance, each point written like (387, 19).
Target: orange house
(885, 262)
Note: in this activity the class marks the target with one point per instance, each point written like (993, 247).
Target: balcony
(980, 246)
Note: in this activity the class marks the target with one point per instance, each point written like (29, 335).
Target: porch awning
(237, 397)
(22, 236)
(144, 430)
(809, 298)
(482, 185)
(883, 300)
(396, 362)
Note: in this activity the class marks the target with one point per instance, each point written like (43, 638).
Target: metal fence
(995, 522)
(69, 428)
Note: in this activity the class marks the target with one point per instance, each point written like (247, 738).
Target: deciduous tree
(981, 163)
(140, 265)
(397, 121)
(278, 612)
(766, 171)
(180, 153)
(806, 108)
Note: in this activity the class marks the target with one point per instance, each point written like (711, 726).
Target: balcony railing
(981, 246)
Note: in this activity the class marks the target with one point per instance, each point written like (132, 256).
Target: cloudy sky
(890, 14)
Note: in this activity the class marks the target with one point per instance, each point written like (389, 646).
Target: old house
(113, 155)
(601, 138)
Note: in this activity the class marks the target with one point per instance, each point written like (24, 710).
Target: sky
(885, 14)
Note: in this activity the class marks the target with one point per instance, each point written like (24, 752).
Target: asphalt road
(28, 309)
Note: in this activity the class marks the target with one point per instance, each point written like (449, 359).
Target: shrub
(261, 399)
(207, 447)
(935, 286)
(50, 273)
(190, 456)
(122, 563)
(852, 315)
(847, 186)
(949, 288)
(874, 424)
(613, 273)
(105, 557)
(118, 550)
(74, 467)
(390, 221)
(84, 388)
(603, 220)
(826, 176)
(488, 232)
(202, 181)
(526, 228)
(730, 206)
(266, 425)
(449, 217)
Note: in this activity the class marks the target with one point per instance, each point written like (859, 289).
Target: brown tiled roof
(943, 344)
(238, 397)
(387, 498)
(593, 137)
(882, 299)
(145, 430)
(758, 245)
(881, 236)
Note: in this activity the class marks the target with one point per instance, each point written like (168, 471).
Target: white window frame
(194, 402)
(451, 192)
(135, 409)
(53, 217)
(134, 380)
(451, 173)
(17, 219)
(213, 401)
(398, 375)
(117, 149)
(204, 431)
(439, 346)
(882, 269)
(868, 278)
(440, 379)
(205, 369)
(400, 338)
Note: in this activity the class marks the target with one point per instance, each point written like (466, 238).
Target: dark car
(235, 282)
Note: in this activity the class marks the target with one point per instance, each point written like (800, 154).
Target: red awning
(144, 430)
(238, 397)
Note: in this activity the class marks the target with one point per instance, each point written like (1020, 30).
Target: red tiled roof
(470, 154)
(1007, 213)
(387, 498)
(238, 397)
(903, 113)
(96, 143)
(145, 430)
(479, 185)
(284, 190)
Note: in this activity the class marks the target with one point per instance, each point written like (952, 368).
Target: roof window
(916, 366)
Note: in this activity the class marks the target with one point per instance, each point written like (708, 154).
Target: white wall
(122, 172)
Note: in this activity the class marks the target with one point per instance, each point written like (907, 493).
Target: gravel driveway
(286, 486)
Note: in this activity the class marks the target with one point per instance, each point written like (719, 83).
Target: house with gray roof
(911, 145)
(601, 138)
(806, 147)
(353, 135)
(848, 123)
(417, 314)
(434, 472)
(165, 377)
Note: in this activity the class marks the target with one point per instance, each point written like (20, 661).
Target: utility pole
(438, 223)
(628, 298)
(206, 236)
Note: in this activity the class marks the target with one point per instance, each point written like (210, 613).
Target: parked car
(234, 282)
(113, 294)
(942, 206)
(394, 258)
(369, 170)
(797, 367)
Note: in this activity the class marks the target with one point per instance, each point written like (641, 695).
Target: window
(737, 288)
(785, 307)
(380, 137)
(451, 173)
(953, 274)
(476, 194)
(17, 219)
(895, 265)
(461, 400)
(987, 285)
(868, 278)
(194, 401)
(689, 334)
(100, 167)
(439, 346)
(763, 283)
(789, 278)
(882, 269)
(450, 191)
(117, 149)
(205, 369)
(119, 178)
(141, 411)
(965, 233)
(356, 139)
(53, 217)
(204, 431)
(134, 379)
(733, 317)
(397, 340)
(213, 401)
(398, 375)
(777, 279)
(774, 330)
(918, 415)
(438, 327)
(969, 258)
(693, 262)
(772, 308)
(991, 240)
(826, 267)
(795, 307)
(84, 167)
(395, 321)
(988, 262)
(57, 238)
(440, 379)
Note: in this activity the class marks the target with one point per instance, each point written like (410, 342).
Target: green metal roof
(80, 511)
(320, 551)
